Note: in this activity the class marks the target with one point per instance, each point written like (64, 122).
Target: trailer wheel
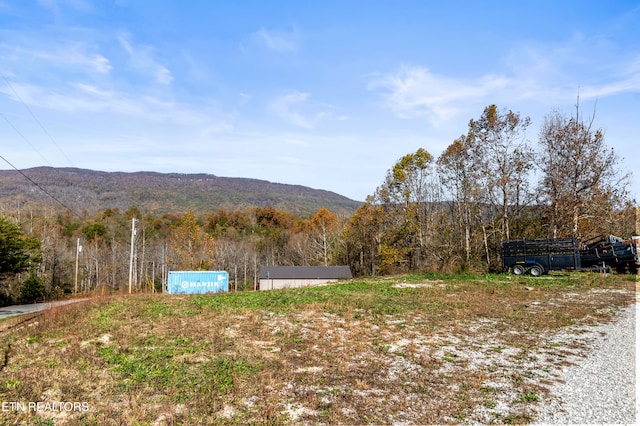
(536, 270)
(518, 270)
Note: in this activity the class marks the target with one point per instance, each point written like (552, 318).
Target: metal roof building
(279, 277)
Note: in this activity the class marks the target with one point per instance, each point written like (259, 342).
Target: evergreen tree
(32, 290)
(18, 253)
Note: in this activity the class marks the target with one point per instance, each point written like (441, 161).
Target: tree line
(449, 213)
(490, 185)
(60, 253)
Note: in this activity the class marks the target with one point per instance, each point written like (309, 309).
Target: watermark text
(44, 406)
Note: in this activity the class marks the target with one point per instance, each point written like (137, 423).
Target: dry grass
(402, 350)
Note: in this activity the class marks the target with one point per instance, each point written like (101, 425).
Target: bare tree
(580, 175)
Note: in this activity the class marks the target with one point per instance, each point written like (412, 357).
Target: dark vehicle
(540, 256)
(614, 252)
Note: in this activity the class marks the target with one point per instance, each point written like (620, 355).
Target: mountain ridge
(158, 193)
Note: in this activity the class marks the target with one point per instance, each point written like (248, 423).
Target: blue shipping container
(197, 282)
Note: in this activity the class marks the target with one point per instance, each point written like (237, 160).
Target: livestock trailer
(540, 256)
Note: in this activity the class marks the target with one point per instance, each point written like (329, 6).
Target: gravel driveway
(599, 389)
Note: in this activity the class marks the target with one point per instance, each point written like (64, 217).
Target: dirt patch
(426, 284)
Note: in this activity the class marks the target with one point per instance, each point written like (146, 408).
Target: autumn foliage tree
(481, 193)
(504, 161)
(581, 184)
(361, 237)
(461, 182)
(323, 229)
(408, 210)
(192, 248)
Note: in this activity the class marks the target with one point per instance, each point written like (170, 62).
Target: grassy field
(413, 349)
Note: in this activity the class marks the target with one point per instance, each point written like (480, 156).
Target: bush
(5, 299)
(32, 289)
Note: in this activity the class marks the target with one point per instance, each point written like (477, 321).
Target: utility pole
(133, 236)
(78, 250)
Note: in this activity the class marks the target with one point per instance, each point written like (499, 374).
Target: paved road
(10, 311)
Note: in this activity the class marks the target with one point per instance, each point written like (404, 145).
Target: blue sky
(326, 94)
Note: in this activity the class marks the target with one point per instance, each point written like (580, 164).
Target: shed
(279, 277)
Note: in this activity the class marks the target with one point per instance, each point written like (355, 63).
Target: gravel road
(599, 389)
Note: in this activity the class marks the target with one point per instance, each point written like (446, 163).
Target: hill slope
(93, 191)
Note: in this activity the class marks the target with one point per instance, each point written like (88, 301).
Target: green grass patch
(161, 364)
(529, 397)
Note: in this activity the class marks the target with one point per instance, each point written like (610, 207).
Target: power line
(41, 188)
(36, 120)
(34, 148)
(24, 137)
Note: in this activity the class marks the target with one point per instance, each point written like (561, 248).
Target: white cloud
(76, 55)
(73, 56)
(414, 91)
(82, 98)
(278, 41)
(294, 107)
(632, 84)
(75, 98)
(76, 78)
(283, 107)
(542, 74)
(244, 98)
(624, 78)
(100, 64)
(142, 60)
(593, 66)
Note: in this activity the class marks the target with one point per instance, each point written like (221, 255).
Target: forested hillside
(159, 193)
